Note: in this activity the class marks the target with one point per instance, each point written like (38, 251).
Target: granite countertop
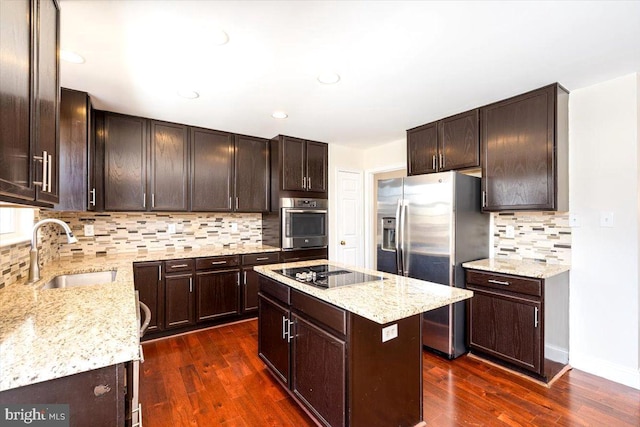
(539, 270)
(47, 334)
(382, 301)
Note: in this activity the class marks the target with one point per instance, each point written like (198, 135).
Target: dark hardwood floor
(215, 378)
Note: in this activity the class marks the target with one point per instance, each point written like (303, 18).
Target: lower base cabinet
(96, 398)
(334, 363)
(520, 322)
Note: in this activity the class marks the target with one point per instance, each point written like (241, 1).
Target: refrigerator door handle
(398, 239)
(405, 268)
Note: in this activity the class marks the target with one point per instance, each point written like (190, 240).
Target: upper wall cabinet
(525, 151)
(301, 167)
(158, 166)
(76, 162)
(448, 144)
(29, 78)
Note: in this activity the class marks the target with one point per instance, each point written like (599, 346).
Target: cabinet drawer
(262, 258)
(275, 290)
(178, 265)
(505, 282)
(217, 262)
(327, 314)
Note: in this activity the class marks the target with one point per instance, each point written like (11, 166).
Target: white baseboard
(602, 368)
(557, 354)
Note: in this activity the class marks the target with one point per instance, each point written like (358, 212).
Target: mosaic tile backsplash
(129, 232)
(538, 236)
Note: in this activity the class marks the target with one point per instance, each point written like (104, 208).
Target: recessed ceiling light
(279, 115)
(189, 94)
(219, 38)
(328, 78)
(69, 56)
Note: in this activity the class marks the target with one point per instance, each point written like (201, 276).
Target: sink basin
(80, 279)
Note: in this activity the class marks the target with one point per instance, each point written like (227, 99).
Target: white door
(349, 221)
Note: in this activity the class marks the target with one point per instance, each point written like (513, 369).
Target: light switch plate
(88, 230)
(511, 231)
(171, 228)
(574, 220)
(606, 219)
(234, 226)
(390, 332)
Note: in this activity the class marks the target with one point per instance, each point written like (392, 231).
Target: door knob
(342, 242)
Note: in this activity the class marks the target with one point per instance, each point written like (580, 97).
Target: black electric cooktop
(327, 276)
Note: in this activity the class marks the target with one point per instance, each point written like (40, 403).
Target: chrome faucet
(34, 267)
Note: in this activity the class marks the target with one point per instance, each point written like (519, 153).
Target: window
(15, 225)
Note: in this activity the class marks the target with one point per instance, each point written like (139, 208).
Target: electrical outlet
(234, 226)
(171, 228)
(606, 219)
(390, 332)
(88, 230)
(511, 231)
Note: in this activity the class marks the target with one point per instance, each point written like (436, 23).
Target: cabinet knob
(342, 242)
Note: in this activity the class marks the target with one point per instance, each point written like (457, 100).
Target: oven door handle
(287, 210)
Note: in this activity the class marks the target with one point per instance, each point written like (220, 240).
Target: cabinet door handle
(484, 199)
(50, 166)
(144, 200)
(92, 197)
(218, 262)
(180, 265)
(433, 162)
(536, 317)
(153, 200)
(441, 161)
(45, 171)
(284, 328)
(230, 205)
(237, 203)
(190, 284)
(304, 182)
(244, 280)
(159, 273)
(309, 183)
(263, 258)
(289, 334)
(499, 282)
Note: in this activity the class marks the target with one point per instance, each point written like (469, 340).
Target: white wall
(604, 164)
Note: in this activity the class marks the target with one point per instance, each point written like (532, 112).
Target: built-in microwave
(304, 223)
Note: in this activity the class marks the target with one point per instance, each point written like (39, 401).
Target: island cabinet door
(318, 372)
(273, 337)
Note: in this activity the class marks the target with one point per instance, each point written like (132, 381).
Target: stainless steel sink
(81, 279)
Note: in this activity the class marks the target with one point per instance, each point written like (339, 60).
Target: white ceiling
(401, 64)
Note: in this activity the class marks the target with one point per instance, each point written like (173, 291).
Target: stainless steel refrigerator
(428, 225)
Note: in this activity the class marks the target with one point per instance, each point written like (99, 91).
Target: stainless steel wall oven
(303, 223)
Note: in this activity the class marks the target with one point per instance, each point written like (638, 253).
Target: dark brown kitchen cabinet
(300, 167)
(148, 281)
(76, 159)
(179, 293)
(303, 255)
(125, 162)
(168, 167)
(211, 171)
(318, 371)
(250, 278)
(29, 145)
(525, 151)
(322, 355)
(251, 174)
(273, 345)
(448, 144)
(519, 321)
(95, 398)
(217, 287)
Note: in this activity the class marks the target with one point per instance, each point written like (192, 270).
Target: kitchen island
(349, 355)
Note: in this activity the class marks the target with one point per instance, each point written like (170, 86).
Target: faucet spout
(34, 267)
